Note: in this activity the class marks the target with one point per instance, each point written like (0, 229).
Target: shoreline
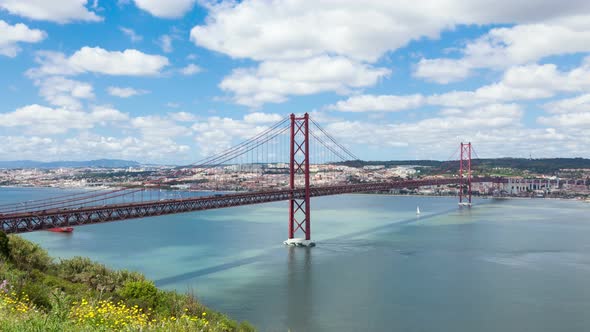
(586, 200)
(474, 197)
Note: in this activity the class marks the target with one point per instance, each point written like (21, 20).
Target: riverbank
(39, 294)
(587, 200)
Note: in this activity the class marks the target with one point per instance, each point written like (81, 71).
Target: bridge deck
(44, 219)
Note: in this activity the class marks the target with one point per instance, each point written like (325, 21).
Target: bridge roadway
(43, 219)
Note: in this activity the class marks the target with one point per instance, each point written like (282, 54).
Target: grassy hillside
(39, 294)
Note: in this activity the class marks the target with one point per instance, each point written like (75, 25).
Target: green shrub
(4, 246)
(27, 255)
(142, 293)
(60, 284)
(97, 276)
(38, 294)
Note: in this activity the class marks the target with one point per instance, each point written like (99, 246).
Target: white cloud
(10, 35)
(569, 105)
(258, 117)
(569, 112)
(190, 69)
(383, 103)
(442, 71)
(215, 133)
(37, 119)
(125, 92)
(490, 128)
(286, 32)
(504, 47)
(155, 128)
(87, 146)
(166, 9)
(273, 81)
(165, 42)
(60, 91)
(439, 133)
(60, 11)
(24, 147)
(130, 62)
(580, 120)
(182, 116)
(126, 148)
(133, 36)
(364, 31)
(527, 82)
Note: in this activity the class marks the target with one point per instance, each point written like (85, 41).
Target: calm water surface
(504, 265)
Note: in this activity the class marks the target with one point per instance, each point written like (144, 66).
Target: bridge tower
(465, 174)
(299, 208)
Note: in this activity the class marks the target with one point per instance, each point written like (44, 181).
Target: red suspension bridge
(292, 142)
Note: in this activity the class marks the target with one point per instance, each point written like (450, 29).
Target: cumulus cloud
(526, 82)
(382, 103)
(87, 146)
(258, 117)
(67, 93)
(129, 62)
(580, 103)
(166, 9)
(504, 47)
(428, 131)
(182, 116)
(60, 11)
(442, 71)
(568, 112)
(490, 128)
(190, 69)
(125, 92)
(217, 133)
(579, 119)
(37, 119)
(270, 30)
(156, 128)
(273, 81)
(363, 32)
(11, 35)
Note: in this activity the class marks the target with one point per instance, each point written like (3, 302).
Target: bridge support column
(465, 175)
(299, 208)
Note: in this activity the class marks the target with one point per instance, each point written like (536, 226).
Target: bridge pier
(299, 207)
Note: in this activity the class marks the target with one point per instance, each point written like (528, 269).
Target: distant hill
(546, 165)
(106, 163)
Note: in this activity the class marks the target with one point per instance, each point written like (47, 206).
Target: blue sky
(172, 81)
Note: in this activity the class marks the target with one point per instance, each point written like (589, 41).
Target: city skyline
(171, 83)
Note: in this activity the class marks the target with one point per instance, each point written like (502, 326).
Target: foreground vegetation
(39, 294)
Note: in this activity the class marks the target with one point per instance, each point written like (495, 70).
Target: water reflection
(299, 289)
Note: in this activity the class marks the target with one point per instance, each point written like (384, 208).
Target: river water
(503, 265)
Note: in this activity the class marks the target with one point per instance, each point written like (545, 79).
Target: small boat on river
(61, 229)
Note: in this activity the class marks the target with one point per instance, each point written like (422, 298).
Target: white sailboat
(417, 210)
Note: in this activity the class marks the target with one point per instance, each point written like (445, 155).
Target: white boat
(417, 210)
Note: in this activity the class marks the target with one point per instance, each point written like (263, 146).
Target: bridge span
(45, 219)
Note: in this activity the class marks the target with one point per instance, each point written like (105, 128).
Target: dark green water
(510, 265)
